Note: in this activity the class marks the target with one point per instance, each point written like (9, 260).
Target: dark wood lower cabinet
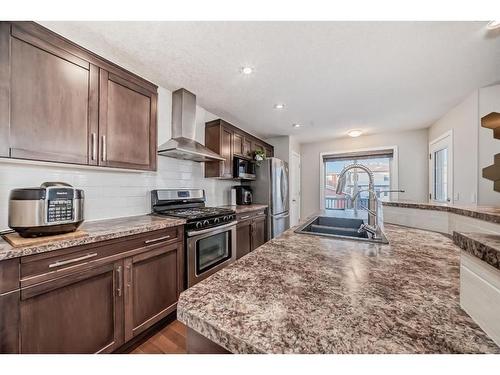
(258, 232)
(94, 306)
(80, 313)
(250, 232)
(151, 287)
(243, 238)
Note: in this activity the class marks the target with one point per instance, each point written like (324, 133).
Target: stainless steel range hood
(182, 145)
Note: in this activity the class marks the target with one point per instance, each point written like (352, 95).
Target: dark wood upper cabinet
(62, 103)
(153, 282)
(49, 104)
(227, 140)
(127, 123)
(79, 313)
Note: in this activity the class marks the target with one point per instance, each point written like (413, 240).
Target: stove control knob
(225, 218)
(205, 222)
(198, 224)
(216, 220)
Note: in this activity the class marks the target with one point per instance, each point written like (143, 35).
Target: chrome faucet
(372, 227)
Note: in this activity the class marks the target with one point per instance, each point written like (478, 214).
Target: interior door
(441, 169)
(295, 189)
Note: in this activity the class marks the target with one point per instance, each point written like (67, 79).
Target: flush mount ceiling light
(354, 133)
(296, 125)
(279, 106)
(492, 25)
(247, 70)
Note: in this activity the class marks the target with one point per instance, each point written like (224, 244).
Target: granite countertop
(491, 214)
(481, 245)
(310, 294)
(96, 231)
(239, 209)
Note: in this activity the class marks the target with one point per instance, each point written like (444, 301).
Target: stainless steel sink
(338, 227)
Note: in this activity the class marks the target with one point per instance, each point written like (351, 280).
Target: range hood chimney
(182, 144)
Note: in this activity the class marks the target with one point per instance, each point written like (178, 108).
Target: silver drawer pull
(69, 261)
(245, 217)
(157, 239)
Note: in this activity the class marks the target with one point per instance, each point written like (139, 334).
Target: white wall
(412, 151)
(473, 146)
(464, 121)
(110, 194)
(489, 101)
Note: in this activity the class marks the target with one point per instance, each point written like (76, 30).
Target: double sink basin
(338, 227)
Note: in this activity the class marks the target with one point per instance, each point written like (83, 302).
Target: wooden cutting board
(17, 241)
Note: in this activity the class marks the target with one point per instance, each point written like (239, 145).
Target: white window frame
(394, 170)
(446, 134)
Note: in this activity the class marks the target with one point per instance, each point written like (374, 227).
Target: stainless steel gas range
(210, 232)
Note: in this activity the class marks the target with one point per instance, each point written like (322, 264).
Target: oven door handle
(198, 232)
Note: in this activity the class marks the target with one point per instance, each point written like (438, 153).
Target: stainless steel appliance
(271, 188)
(182, 145)
(210, 232)
(243, 168)
(52, 208)
(243, 195)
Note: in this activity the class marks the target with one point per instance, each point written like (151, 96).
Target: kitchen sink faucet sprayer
(373, 226)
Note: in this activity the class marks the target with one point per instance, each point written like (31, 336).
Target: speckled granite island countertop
(481, 245)
(310, 294)
(490, 214)
(100, 230)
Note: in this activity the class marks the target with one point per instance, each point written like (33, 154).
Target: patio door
(441, 169)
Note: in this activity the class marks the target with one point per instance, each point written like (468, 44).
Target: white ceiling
(332, 76)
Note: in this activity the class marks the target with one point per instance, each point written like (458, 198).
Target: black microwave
(243, 168)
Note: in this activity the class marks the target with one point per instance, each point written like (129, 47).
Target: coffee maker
(243, 195)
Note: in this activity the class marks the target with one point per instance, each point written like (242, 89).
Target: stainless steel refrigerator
(271, 188)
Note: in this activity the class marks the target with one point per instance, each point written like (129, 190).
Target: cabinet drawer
(46, 266)
(250, 215)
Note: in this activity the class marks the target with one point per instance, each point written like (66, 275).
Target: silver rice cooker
(53, 208)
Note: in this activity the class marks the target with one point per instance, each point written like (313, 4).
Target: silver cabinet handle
(120, 281)
(157, 239)
(245, 217)
(94, 146)
(60, 263)
(104, 150)
(129, 276)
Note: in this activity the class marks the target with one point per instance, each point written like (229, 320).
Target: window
(378, 161)
(441, 168)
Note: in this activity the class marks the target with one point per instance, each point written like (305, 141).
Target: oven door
(209, 250)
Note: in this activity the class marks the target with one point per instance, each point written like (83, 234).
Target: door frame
(299, 176)
(394, 170)
(443, 136)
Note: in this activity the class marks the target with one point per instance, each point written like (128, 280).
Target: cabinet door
(237, 144)
(269, 152)
(49, 109)
(257, 146)
(258, 232)
(226, 152)
(243, 238)
(152, 287)
(80, 313)
(127, 124)
(247, 147)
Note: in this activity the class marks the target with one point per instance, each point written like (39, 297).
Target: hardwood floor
(169, 340)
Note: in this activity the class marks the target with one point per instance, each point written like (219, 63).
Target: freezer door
(279, 224)
(279, 186)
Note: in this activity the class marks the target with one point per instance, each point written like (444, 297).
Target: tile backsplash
(110, 193)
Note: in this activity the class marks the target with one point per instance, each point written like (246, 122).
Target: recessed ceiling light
(296, 125)
(354, 133)
(279, 106)
(492, 25)
(247, 70)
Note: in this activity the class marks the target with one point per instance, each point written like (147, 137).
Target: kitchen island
(310, 294)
